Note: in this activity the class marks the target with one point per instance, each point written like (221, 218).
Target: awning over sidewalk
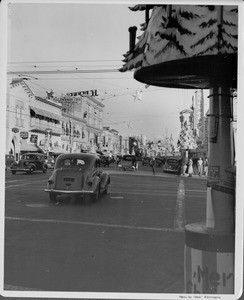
(42, 112)
(57, 149)
(25, 147)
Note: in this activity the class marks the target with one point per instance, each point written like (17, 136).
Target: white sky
(65, 36)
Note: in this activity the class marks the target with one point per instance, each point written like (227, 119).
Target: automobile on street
(173, 164)
(29, 163)
(78, 174)
(134, 232)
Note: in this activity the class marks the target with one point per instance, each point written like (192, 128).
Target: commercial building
(53, 124)
(82, 122)
(32, 123)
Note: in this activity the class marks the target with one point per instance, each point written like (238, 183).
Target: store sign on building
(24, 134)
(15, 130)
(91, 93)
(34, 138)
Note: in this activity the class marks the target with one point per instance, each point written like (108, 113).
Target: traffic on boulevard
(131, 239)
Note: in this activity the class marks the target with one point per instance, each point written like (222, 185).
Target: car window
(128, 158)
(97, 163)
(172, 161)
(72, 162)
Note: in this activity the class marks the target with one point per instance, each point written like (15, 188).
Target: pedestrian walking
(205, 167)
(184, 166)
(190, 167)
(134, 163)
(200, 166)
(153, 164)
(195, 169)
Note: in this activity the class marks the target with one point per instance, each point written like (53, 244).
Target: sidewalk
(114, 170)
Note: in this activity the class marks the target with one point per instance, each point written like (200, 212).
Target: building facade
(51, 125)
(32, 123)
(82, 122)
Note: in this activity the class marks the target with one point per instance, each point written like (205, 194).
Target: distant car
(159, 161)
(105, 160)
(146, 161)
(126, 163)
(78, 174)
(173, 164)
(9, 159)
(51, 159)
(29, 163)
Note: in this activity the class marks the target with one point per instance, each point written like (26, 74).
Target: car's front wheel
(105, 191)
(44, 170)
(96, 194)
(52, 197)
(32, 169)
(13, 172)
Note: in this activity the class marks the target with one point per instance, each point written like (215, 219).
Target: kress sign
(91, 93)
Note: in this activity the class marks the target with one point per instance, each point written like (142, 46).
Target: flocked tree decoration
(187, 138)
(180, 31)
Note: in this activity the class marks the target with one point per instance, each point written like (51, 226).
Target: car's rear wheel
(105, 191)
(13, 172)
(96, 194)
(32, 169)
(52, 197)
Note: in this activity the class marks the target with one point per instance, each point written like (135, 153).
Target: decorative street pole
(195, 47)
(48, 140)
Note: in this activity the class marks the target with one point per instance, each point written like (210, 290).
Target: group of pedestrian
(195, 167)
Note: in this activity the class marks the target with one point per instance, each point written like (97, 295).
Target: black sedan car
(29, 163)
(173, 164)
(78, 174)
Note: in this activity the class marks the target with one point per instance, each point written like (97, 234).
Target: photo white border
(239, 158)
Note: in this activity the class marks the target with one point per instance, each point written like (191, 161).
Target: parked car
(29, 163)
(146, 161)
(9, 159)
(126, 163)
(105, 160)
(159, 161)
(51, 159)
(173, 164)
(78, 174)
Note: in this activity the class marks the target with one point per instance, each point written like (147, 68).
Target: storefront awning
(57, 149)
(25, 147)
(42, 112)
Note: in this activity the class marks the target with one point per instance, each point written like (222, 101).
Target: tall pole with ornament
(195, 47)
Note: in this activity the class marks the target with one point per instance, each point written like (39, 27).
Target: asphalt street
(131, 240)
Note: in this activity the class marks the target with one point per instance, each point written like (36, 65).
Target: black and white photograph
(122, 149)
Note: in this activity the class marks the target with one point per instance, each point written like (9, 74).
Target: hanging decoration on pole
(196, 47)
(137, 96)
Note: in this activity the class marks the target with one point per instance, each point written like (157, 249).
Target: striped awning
(57, 149)
(26, 147)
(45, 113)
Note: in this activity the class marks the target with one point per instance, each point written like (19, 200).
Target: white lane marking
(93, 224)
(38, 205)
(12, 180)
(179, 218)
(22, 184)
(116, 197)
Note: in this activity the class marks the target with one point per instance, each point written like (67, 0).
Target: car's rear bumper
(20, 169)
(171, 171)
(68, 191)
